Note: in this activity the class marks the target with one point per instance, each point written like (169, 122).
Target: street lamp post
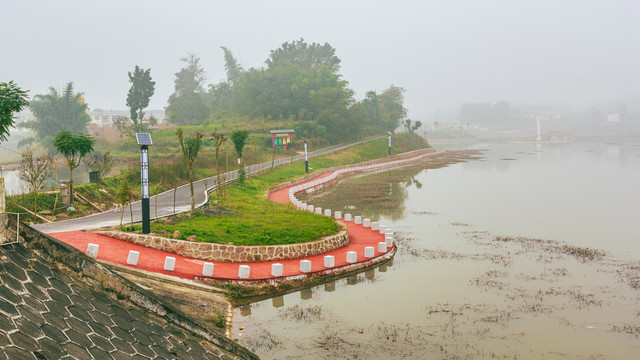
(388, 132)
(306, 158)
(144, 141)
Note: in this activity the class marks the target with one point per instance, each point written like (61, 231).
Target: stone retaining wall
(232, 253)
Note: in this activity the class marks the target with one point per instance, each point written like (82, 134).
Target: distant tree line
(301, 83)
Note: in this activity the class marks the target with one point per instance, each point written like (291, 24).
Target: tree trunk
(71, 185)
(193, 201)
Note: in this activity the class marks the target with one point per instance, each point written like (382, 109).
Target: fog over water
(443, 53)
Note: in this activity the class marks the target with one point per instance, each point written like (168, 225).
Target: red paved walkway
(116, 251)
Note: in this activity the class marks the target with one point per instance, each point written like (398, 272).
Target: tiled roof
(49, 311)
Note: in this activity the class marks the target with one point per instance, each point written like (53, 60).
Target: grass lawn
(258, 221)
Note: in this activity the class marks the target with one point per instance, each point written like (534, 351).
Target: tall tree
(372, 106)
(305, 56)
(239, 139)
(34, 170)
(57, 112)
(231, 66)
(12, 99)
(191, 78)
(186, 104)
(190, 148)
(142, 89)
(74, 148)
(392, 102)
(187, 109)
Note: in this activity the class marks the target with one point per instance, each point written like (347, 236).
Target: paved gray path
(182, 194)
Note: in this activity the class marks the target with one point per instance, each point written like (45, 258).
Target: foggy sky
(442, 52)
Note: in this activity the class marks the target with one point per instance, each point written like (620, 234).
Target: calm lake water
(529, 252)
(13, 184)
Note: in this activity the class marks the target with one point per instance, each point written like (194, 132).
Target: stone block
(244, 271)
(375, 226)
(169, 263)
(329, 261)
(92, 250)
(382, 247)
(369, 252)
(337, 214)
(358, 220)
(347, 217)
(352, 257)
(277, 269)
(305, 266)
(327, 212)
(132, 259)
(207, 269)
(366, 223)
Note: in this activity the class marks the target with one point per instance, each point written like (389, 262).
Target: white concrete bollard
(304, 206)
(169, 263)
(366, 223)
(92, 250)
(352, 257)
(369, 252)
(358, 220)
(276, 269)
(207, 269)
(389, 241)
(383, 229)
(329, 261)
(244, 271)
(132, 259)
(347, 217)
(327, 212)
(374, 226)
(310, 208)
(382, 247)
(319, 210)
(337, 215)
(305, 266)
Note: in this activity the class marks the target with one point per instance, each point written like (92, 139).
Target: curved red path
(116, 251)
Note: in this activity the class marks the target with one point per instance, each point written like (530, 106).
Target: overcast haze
(442, 52)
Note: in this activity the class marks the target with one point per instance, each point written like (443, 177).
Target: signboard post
(388, 132)
(144, 141)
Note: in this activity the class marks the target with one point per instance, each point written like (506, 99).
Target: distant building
(103, 122)
(613, 118)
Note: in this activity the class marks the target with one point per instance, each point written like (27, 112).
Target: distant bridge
(557, 136)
